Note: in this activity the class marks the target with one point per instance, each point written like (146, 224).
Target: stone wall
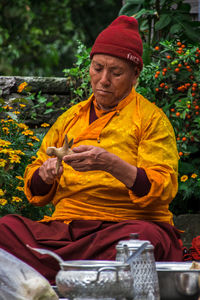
(50, 87)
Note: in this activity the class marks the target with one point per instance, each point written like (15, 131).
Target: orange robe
(138, 132)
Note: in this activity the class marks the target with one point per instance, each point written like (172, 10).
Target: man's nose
(105, 78)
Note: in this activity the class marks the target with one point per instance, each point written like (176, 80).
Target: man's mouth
(100, 91)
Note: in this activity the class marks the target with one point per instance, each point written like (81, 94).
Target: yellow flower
(3, 201)
(33, 157)
(45, 125)
(28, 132)
(16, 112)
(16, 199)
(5, 129)
(194, 175)
(184, 178)
(20, 188)
(2, 162)
(18, 152)
(4, 143)
(30, 144)
(19, 177)
(14, 158)
(22, 86)
(22, 105)
(35, 138)
(7, 151)
(10, 120)
(22, 126)
(1, 192)
(7, 107)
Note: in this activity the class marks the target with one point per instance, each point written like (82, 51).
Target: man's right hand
(47, 171)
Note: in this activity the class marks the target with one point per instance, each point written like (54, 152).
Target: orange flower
(194, 175)
(184, 178)
(22, 86)
(45, 125)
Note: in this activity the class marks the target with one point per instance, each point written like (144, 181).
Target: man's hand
(88, 158)
(48, 172)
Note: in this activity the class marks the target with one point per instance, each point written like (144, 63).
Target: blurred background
(38, 38)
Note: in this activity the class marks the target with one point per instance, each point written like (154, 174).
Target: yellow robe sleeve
(158, 156)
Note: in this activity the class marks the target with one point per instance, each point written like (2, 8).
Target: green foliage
(78, 77)
(163, 19)
(18, 145)
(172, 81)
(37, 38)
(37, 106)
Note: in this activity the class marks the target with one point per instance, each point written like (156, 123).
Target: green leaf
(175, 28)
(164, 21)
(145, 12)
(191, 33)
(135, 2)
(48, 111)
(129, 9)
(162, 2)
(49, 104)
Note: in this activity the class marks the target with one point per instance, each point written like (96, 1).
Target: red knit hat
(121, 39)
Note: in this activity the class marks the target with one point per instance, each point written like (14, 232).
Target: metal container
(177, 281)
(145, 286)
(92, 279)
(95, 280)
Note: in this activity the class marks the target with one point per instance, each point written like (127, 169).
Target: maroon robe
(82, 239)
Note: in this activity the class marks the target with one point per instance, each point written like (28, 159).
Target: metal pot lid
(93, 264)
(133, 244)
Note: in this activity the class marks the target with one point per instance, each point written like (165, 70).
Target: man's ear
(137, 72)
(136, 75)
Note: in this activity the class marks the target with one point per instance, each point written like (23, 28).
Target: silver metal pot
(145, 286)
(95, 279)
(177, 281)
(90, 279)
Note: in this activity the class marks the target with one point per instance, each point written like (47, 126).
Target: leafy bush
(78, 77)
(172, 81)
(18, 145)
(163, 19)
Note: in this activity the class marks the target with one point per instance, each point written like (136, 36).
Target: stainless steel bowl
(177, 281)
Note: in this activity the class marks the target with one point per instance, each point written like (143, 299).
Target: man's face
(112, 79)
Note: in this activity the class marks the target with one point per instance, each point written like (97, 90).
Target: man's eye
(98, 69)
(117, 74)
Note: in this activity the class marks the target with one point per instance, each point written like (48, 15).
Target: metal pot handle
(105, 269)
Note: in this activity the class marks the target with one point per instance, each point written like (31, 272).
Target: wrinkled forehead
(112, 61)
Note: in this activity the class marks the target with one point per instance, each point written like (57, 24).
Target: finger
(75, 157)
(82, 148)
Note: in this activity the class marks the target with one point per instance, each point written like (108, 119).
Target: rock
(190, 223)
(6, 84)
(50, 85)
